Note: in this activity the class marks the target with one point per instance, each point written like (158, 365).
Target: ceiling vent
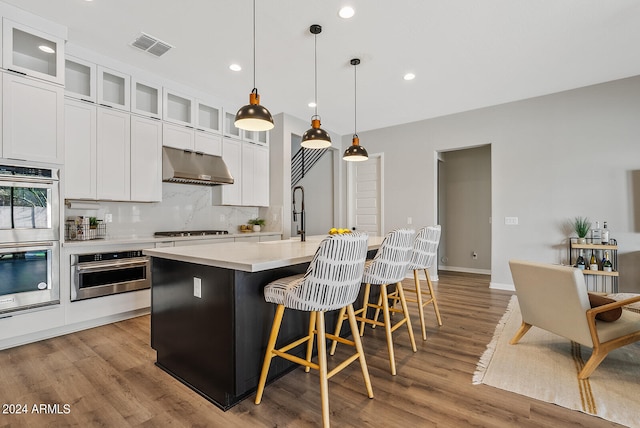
(151, 44)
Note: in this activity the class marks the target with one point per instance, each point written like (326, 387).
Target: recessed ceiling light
(312, 104)
(409, 76)
(235, 67)
(346, 12)
(47, 49)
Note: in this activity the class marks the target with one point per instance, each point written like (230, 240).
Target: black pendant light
(355, 153)
(253, 116)
(316, 137)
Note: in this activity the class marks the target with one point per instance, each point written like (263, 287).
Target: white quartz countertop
(250, 256)
(146, 239)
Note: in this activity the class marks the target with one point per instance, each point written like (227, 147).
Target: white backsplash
(183, 207)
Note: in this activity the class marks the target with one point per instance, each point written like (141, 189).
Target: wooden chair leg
(365, 307)
(275, 328)
(377, 314)
(416, 280)
(433, 297)
(322, 363)
(312, 325)
(387, 327)
(405, 311)
(524, 328)
(596, 358)
(337, 331)
(360, 350)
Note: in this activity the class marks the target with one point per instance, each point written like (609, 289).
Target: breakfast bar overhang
(209, 320)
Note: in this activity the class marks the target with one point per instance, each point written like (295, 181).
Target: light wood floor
(108, 378)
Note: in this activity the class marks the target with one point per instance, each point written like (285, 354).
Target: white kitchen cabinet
(32, 52)
(177, 136)
(228, 127)
(114, 89)
(32, 119)
(231, 194)
(178, 108)
(255, 175)
(146, 98)
(146, 159)
(210, 144)
(263, 137)
(80, 79)
(80, 150)
(113, 155)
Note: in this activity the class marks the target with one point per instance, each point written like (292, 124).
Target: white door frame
(351, 191)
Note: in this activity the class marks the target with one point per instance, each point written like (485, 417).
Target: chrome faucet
(300, 230)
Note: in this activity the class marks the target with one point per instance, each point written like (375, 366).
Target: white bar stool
(332, 281)
(389, 266)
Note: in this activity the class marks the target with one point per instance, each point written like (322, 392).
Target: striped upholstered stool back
(334, 276)
(389, 265)
(425, 248)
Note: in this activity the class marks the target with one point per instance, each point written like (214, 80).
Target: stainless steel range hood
(182, 166)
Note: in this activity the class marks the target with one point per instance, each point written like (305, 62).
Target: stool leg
(360, 350)
(322, 363)
(405, 310)
(337, 332)
(377, 314)
(433, 297)
(387, 327)
(420, 307)
(277, 320)
(312, 325)
(365, 307)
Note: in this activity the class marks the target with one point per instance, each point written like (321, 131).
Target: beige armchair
(554, 298)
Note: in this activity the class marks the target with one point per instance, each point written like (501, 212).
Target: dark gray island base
(215, 343)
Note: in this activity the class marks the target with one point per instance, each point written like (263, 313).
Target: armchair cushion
(609, 316)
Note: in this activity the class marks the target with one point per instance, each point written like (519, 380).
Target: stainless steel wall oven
(103, 274)
(29, 237)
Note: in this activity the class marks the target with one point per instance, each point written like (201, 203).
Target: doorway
(365, 195)
(464, 210)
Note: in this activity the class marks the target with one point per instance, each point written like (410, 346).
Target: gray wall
(464, 190)
(553, 157)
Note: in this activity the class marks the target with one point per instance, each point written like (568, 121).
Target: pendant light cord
(254, 46)
(315, 60)
(355, 101)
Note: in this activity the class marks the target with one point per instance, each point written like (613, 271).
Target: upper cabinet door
(32, 52)
(229, 128)
(146, 98)
(114, 89)
(32, 119)
(80, 79)
(178, 108)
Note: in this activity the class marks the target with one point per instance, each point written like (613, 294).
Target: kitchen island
(209, 320)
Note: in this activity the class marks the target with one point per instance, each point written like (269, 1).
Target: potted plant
(257, 223)
(581, 226)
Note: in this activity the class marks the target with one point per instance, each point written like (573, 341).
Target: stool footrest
(295, 359)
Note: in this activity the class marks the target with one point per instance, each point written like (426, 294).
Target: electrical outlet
(511, 221)
(197, 287)
(108, 218)
(474, 255)
(222, 218)
(409, 220)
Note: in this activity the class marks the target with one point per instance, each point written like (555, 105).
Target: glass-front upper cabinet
(32, 52)
(178, 108)
(146, 98)
(114, 89)
(80, 79)
(230, 129)
(209, 118)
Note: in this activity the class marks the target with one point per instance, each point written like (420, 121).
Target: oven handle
(97, 266)
(27, 244)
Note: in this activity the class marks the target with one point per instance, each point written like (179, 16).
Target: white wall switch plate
(409, 220)
(511, 221)
(108, 218)
(197, 287)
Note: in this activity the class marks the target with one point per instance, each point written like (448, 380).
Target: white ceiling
(466, 54)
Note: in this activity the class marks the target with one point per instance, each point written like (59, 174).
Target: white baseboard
(465, 270)
(71, 328)
(499, 286)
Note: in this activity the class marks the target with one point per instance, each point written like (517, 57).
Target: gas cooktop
(192, 233)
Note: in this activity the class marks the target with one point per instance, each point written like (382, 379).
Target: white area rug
(545, 366)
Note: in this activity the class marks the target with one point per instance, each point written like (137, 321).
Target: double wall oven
(29, 237)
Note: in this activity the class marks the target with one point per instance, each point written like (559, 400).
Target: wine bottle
(605, 234)
(593, 263)
(580, 263)
(607, 266)
(596, 234)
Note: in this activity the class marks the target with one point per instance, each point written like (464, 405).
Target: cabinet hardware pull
(17, 72)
